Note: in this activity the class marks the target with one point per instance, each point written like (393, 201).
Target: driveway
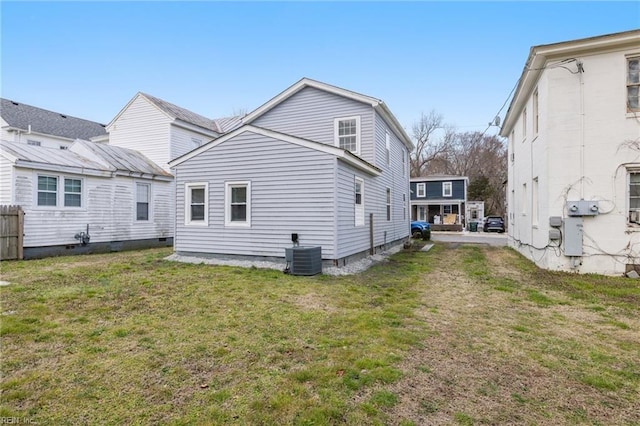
(490, 238)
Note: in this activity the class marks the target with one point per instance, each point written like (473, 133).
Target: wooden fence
(11, 232)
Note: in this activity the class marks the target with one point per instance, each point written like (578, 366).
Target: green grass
(182, 343)
(132, 338)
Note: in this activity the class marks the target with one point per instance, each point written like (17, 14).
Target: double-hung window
(387, 142)
(72, 192)
(347, 134)
(359, 202)
(388, 204)
(634, 197)
(47, 191)
(143, 193)
(447, 189)
(421, 190)
(238, 204)
(633, 84)
(196, 203)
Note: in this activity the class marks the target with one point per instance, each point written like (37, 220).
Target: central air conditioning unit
(303, 260)
(634, 216)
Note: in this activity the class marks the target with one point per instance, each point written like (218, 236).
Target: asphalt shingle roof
(22, 116)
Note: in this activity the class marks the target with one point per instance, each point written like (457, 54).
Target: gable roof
(179, 113)
(85, 158)
(339, 153)
(540, 55)
(26, 117)
(376, 104)
(175, 113)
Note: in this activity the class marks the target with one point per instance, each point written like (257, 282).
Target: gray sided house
(439, 199)
(325, 163)
(87, 198)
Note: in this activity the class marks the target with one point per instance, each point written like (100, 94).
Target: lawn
(457, 335)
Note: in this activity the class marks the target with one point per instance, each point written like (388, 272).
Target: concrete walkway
(491, 238)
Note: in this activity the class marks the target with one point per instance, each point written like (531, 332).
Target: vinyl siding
(6, 181)
(107, 207)
(392, 177)
(433, 190)
(181, 140)
(352, 239)
(310, 114)
(292, 191)
(143, 127)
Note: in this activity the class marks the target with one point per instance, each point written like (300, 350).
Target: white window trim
(359, 209)
(421, 188)
(227, 204)
(630, 112)
(336, 137)
(187, 203)
(59, 192)
(446, 185)
(37, 191)
(404, 162)
(628, 198)
(404, 206)
(387, 143)
(389, 204)
(64, 192)
(150, 209)
(536, 113)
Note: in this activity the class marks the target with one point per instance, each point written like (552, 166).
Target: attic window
(33, 143)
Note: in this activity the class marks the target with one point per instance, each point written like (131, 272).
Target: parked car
(420, 229)
(493, 223)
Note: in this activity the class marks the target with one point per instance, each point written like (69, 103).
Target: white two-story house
(574, 155)
(318, 161)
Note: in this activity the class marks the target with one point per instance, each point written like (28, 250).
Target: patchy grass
(129, 337)
(453, 336)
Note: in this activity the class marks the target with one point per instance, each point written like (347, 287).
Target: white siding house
(574, 156)
(161, 130)
(319, 161)
(87, 198)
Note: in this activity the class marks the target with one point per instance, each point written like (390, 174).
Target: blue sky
(88, 59)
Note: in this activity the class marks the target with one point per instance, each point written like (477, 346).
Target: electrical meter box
(582, 208)
(572, 236)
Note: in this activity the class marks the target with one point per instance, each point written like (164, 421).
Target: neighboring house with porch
(40, 127)
(440, 200)
(318, 161)
(87, 198)
(574, 155)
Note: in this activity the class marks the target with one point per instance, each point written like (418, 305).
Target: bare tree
(431, 146)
